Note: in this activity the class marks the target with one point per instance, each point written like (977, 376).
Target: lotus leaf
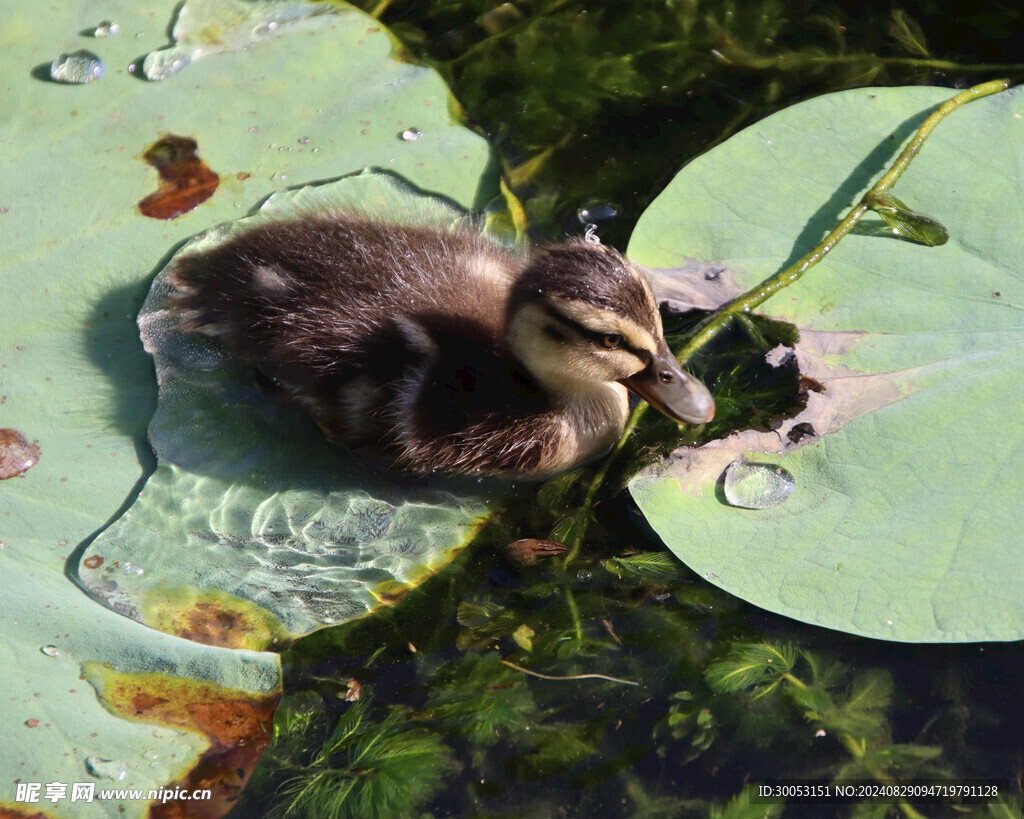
(903, 523)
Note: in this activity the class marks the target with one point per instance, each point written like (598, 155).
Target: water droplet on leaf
(50, 651)
(756, 486)
(106, 29)
(106, 768)
(77, 68)
(411, 134)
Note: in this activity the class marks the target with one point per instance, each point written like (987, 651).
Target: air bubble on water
(106, 29)
(756, 486)
(411, 134)
(103, 768)
(583, 575)
(597, 212)
(50, 651)
(77, 68)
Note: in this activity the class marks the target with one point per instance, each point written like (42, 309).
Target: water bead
(77, 68)
(756, 486)
(106, 29)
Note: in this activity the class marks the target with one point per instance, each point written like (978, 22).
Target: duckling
(442, 349)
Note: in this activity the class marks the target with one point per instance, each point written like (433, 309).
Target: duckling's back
(328, 284)
(335, 311)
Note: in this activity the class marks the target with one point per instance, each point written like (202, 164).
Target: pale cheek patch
(617, 365)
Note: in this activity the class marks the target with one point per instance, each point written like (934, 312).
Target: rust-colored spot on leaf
(391, 591)
(209, 624)
(17, 454)
(15, 813)
(93, 562)
(32, 723)
(214, 619)
(145, 703)
(188, 182)
(236, 724)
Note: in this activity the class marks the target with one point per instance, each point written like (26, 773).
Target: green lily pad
(253, 527)
(91, 693)
(903, 523)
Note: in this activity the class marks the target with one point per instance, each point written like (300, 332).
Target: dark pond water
(661, 695)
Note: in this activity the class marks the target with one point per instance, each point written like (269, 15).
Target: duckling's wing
(329, 308)
(469, 407)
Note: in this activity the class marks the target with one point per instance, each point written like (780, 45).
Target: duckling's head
(581, 315)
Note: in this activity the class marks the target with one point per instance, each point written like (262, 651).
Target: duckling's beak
(668, 389)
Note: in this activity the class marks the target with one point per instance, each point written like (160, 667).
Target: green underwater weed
(366, 765)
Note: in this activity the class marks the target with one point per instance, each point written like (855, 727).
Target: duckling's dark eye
(611, 340)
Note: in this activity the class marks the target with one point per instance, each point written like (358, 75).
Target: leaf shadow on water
(826, 217)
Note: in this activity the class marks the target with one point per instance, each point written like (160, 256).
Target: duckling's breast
(593, 421)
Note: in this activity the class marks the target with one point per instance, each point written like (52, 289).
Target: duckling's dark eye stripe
(596, 337)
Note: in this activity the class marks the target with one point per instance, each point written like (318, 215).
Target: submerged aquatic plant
(852, 706)
(368, 764)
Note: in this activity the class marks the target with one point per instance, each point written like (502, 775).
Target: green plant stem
(470, 53)
(574, 610)
(858, 749)
(756, 296)
(794, 60)
(753, 298)
(793, 680)
(568, 676)
(380, 8)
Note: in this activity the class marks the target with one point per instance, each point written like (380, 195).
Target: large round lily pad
(253, 527)
(904, 523)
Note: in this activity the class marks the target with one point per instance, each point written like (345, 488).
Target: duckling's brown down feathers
(450, 352)
(382, 333)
